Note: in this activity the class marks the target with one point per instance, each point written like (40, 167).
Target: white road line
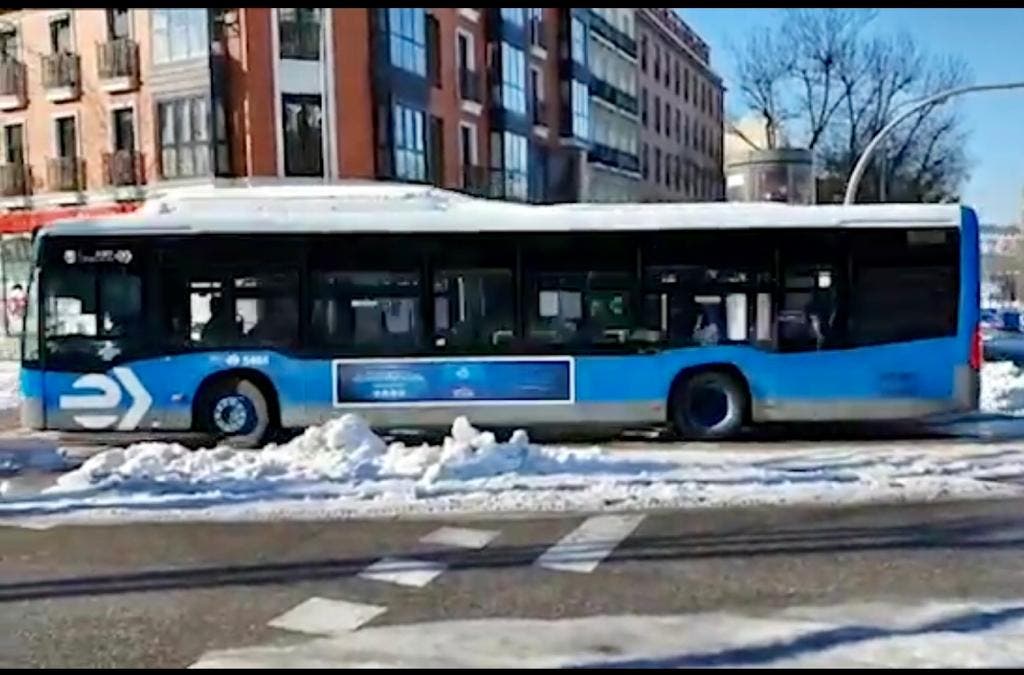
(322, 616)
(583, 549)
(460, 537)
(404, 571)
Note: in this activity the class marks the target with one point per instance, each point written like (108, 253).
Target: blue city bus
(238, 311)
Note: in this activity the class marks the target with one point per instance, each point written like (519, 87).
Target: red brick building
(100, 108)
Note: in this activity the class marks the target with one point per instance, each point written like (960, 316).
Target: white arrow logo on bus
(108, 398)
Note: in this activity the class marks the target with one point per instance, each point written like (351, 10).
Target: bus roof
(387, 207)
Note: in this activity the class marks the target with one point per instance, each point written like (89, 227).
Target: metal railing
(12, 77)
(471, 86)
(14, 180)
(61, 70)
(117, 58)
(122, 168)
(65, 174)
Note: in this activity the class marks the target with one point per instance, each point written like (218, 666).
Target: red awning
(29, 220)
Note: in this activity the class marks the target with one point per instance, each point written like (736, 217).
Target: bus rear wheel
(710, 405)
(236, 412)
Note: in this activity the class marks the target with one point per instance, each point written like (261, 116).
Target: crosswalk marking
(404, 571)
(322, 616)
(460, 537)
(583, 549)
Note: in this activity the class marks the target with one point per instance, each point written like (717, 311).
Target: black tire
(236, 412)
(710, 405)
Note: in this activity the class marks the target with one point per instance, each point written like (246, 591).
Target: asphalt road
(165, 595)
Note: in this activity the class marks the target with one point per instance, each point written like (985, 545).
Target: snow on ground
(1002, 388)
(869, 635)
(10, 391)
(342, 469)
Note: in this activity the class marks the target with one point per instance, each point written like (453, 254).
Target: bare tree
(833, 88)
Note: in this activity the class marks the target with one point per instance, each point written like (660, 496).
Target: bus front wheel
(236, 412)
(709, 405)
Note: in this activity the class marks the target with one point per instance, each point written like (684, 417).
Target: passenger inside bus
(223, 326)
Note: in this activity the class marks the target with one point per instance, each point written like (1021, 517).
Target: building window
(675, 79)
(185, 138)
(299, 33)
(123, 123)
(468, 153)
(509, 155)
(580, 110)
(8, 43)
(644, 158)
(303, 134)
(513, 75)
(66, 137)
(686, 85)
(407, 39)
(643, 54)
(60, 35)
(14, 144)
(669, 164)
(678, 170)
(657, 114)
(578, 38)
(465, 54)
(657, 61)
(679, 136)
(643, 106)
(668, 119)
(513, 15)
(118, 27)
(179, 34)
(410, 143)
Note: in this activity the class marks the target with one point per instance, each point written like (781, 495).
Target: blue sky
(992, 43)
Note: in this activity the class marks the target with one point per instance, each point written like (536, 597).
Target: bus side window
(268, 307)
(807, 318)
(473, 308)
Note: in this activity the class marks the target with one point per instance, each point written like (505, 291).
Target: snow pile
(1002, 388)
(342, 469)
(346, 454)
(10, 389)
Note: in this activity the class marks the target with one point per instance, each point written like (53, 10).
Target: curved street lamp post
(862, 163)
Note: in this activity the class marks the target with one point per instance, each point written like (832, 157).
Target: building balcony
(300, 40)
(65, 174)
(617, 159)
(471, 85)
(62, 76)
(123, 168)
(12, 85)
(476, 180)
(118, 65)
(15, 180)
(538, 34)
(540, 113)
(613, 95)
(482, 181)
(612, 34)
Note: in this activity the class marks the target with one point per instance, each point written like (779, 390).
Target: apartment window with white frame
(303, 134)
(513, 79)
(468, 151)
(179, 34)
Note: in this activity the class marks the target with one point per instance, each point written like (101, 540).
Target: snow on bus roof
(388, 207)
